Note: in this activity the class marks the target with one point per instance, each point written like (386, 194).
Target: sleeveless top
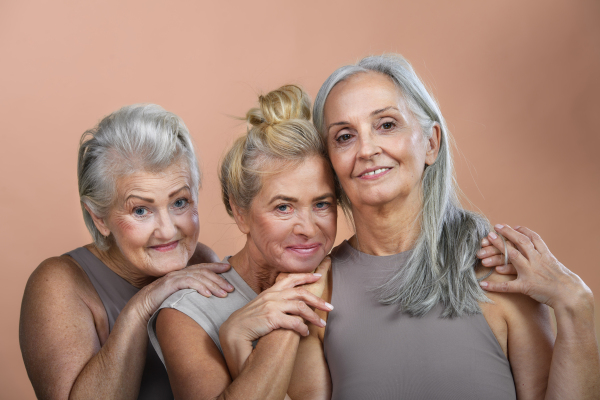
(208, 312)
(115, 292)
(376, 352)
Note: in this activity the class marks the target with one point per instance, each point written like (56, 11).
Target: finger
(217, 268)
(494, 261)
(217, 279)
(293, 323)
(522, 242)
(485, 242)
(516, 258)
(293, 280)
(488, 251)
(301, 309)
(281, 276)
(507, 269)
(535, 239)
(307, 297)
(507, 287)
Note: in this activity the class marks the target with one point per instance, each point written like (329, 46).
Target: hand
(317, 288)
(540, 275)
(203, 278)
(491, 257)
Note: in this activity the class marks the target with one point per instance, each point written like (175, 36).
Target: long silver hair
(140, 137)
(440, 269)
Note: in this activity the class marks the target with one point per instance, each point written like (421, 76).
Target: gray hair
(441, 266)
(137, 137)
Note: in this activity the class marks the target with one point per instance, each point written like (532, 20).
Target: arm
(67, 349)
(262, 373)
(575, 366)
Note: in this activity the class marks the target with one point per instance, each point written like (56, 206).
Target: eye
(283, 208)
(387, 125)
(322, 205)
(343, 137)
(140, 211)
(180, 203)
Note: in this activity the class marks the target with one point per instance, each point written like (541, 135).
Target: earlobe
(99, 222)
(239, 217)
(433, 144)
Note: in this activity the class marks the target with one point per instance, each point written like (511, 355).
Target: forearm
(267, 371)
(115, 372)
(575, 368)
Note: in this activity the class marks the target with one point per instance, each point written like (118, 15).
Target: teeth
(377, 171)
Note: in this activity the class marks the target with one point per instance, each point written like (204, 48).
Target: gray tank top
(115, 292)
(376, 352)
(208, 312)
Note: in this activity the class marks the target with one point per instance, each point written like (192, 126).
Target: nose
(368, 146)
(165, 226)
(305, 225)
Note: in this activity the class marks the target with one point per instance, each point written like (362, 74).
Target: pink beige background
(518, 82)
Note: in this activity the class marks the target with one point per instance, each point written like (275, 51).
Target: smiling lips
(305, 249)
(373, 173)
(165, 247)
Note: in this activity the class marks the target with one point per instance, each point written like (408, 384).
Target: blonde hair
(279, 135)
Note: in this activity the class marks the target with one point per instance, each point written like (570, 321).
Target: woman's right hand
(201, 277)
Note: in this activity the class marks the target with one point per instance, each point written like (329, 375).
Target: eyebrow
(293, 199)
(146, 199)
(379, 111)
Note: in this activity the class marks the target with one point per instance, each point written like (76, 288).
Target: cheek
(130, 232)
(270, 233)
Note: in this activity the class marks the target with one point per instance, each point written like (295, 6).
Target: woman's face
(154, 221)
(292, 222)
(375, 143)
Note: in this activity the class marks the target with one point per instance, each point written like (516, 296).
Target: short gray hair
(134, 138)
(441, 266)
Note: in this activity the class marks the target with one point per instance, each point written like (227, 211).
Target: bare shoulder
(62, 325)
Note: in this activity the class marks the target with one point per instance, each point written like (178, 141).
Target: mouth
(165, 247)
(373, 173)
(305, 249)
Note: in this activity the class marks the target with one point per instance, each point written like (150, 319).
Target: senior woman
(278, 186)
(408, 270)
(84, 314)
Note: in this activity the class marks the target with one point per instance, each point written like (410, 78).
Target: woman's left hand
(540, 275)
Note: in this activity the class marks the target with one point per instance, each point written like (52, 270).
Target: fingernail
(319, 275)
(483, 284)
(222, 293)
(493, 235)
(328, 306)
(481, 253)
(323, 322)
(501, 268)
(518, 227)
(207, 292)
(229, 287)
(486, 261)
(485, 242)
(498, 226)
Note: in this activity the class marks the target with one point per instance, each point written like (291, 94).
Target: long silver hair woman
(441, 266)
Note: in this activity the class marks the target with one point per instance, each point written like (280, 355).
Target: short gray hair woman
(439, 272)
(84, 314)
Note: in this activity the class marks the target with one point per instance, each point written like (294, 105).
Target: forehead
(363, 92)
(158, 183)
(311, 178)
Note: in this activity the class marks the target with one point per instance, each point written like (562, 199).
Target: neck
(114, 259)
(252, 268)
(387, 229)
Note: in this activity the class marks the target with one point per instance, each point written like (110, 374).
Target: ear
(240, 218)
(99, 222)
(433, 144)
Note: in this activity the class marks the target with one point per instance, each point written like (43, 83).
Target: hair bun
(280, 105)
